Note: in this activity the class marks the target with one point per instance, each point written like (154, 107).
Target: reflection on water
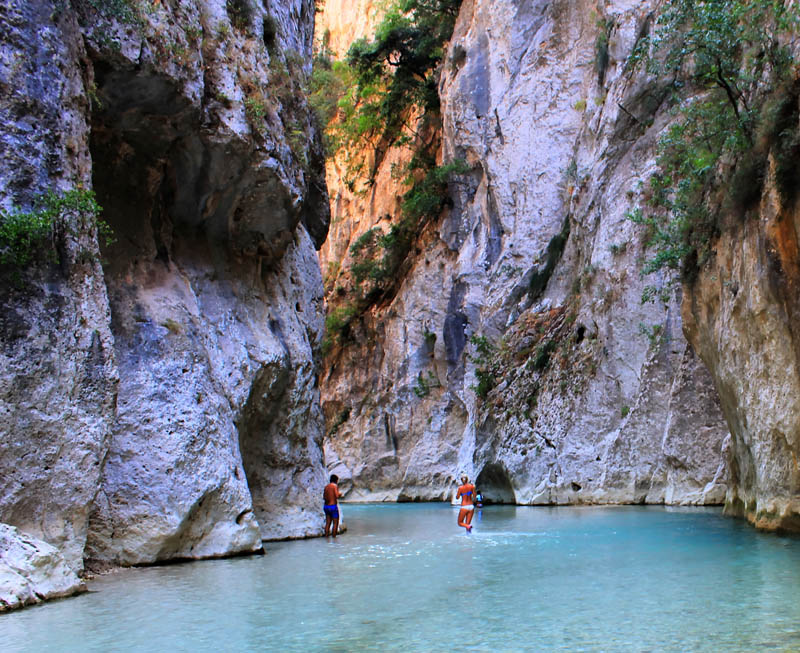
(405, 577)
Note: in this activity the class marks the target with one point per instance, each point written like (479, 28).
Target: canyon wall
(531, 279)
(159, 392)
(741, 316)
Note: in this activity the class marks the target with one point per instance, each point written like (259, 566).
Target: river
(405, 577)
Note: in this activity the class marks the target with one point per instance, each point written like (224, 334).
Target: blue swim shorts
(331, 511)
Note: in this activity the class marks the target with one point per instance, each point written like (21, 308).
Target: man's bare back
(330, 494)
(330, 500)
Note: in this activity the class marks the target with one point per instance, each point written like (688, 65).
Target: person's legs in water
(464, 518)
(331, 517)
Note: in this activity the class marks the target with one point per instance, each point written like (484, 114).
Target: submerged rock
(32, 571)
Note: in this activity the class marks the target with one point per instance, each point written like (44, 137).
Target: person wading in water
(466, 492)
(330, 498)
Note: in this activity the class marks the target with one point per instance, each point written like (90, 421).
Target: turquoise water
(405, 577)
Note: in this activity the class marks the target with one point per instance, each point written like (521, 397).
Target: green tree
(24, 233)
(385, 83)
(721, 60)
(386, 96)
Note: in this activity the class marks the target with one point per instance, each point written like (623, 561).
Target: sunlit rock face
(596, 397)
(343, 21)
(164, 403)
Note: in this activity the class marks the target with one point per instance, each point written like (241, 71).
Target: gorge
(172, 392)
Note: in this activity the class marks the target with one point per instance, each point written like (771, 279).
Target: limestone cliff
(531, 280)
(159, 393)
(741, 316)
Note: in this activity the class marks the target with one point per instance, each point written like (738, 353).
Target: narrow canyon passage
(551, 245)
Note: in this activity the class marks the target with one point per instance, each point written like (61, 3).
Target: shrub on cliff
(485, 365)
(386, 82)
(723, 60)
(396, 70)
(125, 11)
(386, 95)
(378, 257)
(23, 234)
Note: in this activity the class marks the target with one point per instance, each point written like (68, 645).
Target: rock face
(163, 404)
(741, 316)
(214, 294)
(32, 571)
(58, 378)
(592, 396)
(343, 21)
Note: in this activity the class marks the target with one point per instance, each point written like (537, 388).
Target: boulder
(32, 571)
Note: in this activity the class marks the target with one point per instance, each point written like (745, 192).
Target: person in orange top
(466, 492)
(330, 498)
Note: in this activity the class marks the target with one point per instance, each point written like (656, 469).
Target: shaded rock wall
(59, 377)
(535, 255)
(741, 315)
(160, 440)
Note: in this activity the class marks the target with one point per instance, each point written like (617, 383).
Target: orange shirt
(466, 492)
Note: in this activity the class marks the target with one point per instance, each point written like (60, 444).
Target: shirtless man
(466, 491)
(330, 497)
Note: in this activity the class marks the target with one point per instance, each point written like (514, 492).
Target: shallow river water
(405, 577)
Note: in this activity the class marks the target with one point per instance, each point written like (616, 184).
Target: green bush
(654, 333)
(723, 60)
(122, 10)
(339, 319)
(378, 256)
(486, 382)
(395, 72)
(484, 365)
(24, 233)
(366, 100)
(256, 108)
(541, 357)
(425, 383)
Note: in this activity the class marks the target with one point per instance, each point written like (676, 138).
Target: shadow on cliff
(202, 227)
(494, 483)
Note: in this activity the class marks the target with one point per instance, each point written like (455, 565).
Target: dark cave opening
(494, 483)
